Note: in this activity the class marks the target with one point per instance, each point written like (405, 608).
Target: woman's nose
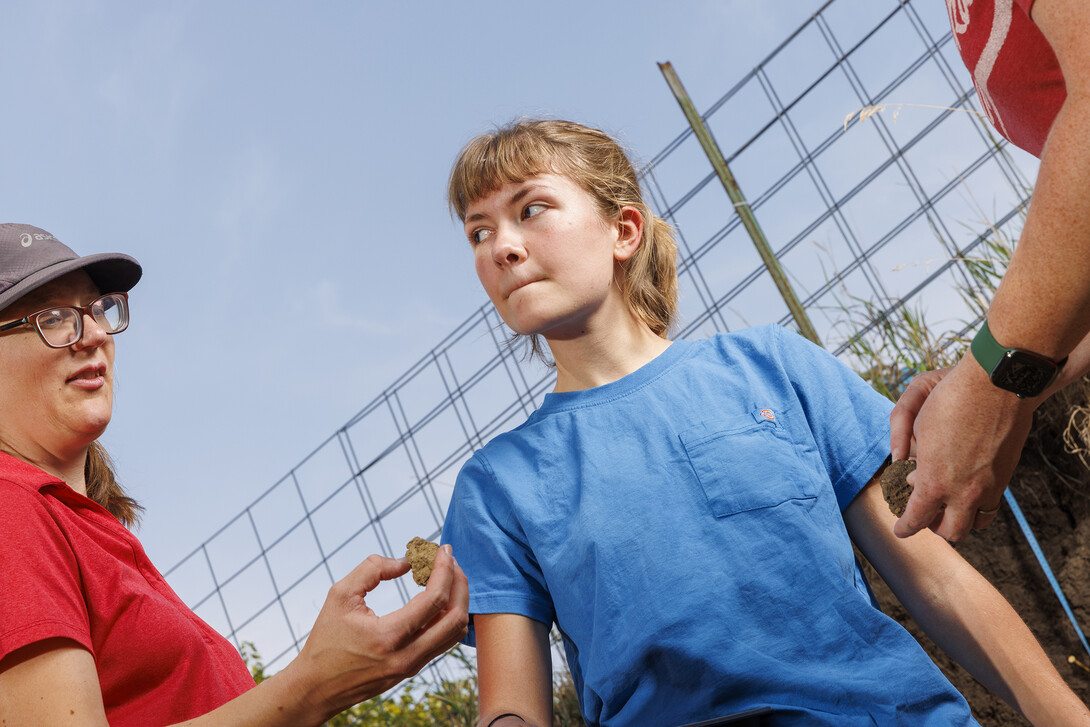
(93, 336)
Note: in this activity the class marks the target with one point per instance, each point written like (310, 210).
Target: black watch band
(1024, 373)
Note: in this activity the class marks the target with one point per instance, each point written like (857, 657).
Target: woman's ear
(629, 233)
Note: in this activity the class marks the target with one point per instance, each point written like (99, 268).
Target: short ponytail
(650, 280)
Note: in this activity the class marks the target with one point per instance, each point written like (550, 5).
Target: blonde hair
(596, 162)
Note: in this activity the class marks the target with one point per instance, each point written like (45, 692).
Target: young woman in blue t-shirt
(685, 511)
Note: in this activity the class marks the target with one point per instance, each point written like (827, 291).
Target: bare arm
(1042, 305)
(964, 614)
(1043, 302)
(514, 669)
(351, 655)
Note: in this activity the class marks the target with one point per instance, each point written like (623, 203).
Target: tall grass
(892, 342)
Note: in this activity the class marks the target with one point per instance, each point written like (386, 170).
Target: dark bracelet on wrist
(506, 714)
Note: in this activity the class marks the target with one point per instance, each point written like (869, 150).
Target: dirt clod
(895, 487)
(421, 555)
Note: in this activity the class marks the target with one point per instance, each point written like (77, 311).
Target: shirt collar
(17, 470)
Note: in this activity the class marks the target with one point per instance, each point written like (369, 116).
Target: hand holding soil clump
(421, 555)
(895, 487)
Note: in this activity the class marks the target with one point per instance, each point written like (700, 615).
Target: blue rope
(1035, 546)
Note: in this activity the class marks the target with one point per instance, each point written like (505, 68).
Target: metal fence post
(715, 156)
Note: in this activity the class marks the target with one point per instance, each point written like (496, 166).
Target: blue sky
(279, 169)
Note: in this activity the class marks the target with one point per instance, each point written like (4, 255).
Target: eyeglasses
(62, 326)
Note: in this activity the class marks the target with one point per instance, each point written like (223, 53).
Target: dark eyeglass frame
(86, 310)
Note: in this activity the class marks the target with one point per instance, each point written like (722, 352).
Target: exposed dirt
(1052, 487)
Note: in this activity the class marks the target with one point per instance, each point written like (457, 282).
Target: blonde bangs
(507, 155)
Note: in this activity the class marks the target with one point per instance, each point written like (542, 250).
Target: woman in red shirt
(90, 632)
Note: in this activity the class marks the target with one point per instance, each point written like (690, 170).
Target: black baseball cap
(31, 257)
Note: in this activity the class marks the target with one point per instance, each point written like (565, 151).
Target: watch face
(1023, 373)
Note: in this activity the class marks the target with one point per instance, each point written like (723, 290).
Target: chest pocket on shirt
(746, 463)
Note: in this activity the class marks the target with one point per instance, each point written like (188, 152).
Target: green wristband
(1024, 373)
(986, 350)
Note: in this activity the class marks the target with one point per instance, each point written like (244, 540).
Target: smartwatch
(1024, 373)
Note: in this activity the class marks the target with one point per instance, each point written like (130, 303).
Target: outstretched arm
(514, 670)
(963, 613)
(1042, 304)
(351, 655)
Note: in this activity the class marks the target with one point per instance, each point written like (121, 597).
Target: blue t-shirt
(683, 528)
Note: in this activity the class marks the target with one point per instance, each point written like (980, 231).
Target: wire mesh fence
(859, 147)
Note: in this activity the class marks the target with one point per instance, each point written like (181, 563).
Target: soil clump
(421, 555)
(895, 487)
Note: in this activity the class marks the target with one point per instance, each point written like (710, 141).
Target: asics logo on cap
(26, 239)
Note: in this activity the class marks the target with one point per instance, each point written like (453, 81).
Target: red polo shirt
(69, 569)
(1016, 74)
